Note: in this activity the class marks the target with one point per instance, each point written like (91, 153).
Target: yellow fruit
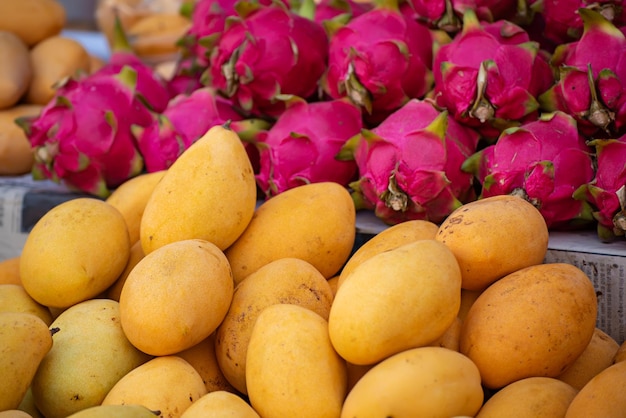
(399, 299)
(493, 237)
(451, 338)
(603, 396)
(32, 20)
(598, 355)
(167, 384)
(24, 341)
(208, 193)
(292, 369)
(531, 397)
(220, 404)
(136, 254)
(16, 153)
(155, 36)
(10, 271)
(533, 322)
(74, 252)
(314, 222)
(14, 413)
(117, 411)
(13, 298)
(620, 355)
(420, 382)
(28, 405)
(54, 59)
(131, 197)
(16, 70)
(389, 238)
(286, 280)
(467, 300)
(202, 357)
(89, 356)
(176, 296)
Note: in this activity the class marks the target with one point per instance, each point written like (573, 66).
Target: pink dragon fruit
(328, 10)
(489, 75)
(185, 120)
(563, 22)
(545, 162)
(591, 76)
(447, 15)
(150, 87)
(379, 60)
(301, 146)
(607, 191)
(410, 164)
(265, 53)
(82, 137)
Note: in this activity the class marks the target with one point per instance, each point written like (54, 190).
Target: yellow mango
(286, 280)
(10, 271)
(603, 396)
(314, 222)
(24, 341)
(13, 298)
(389, 238)
(552, 305)
(598, 355)
(74, 252)
(117, 411)
(89, 356)
(451, 338)
(131, 197)
(32, 20)
(403, 298)
(176, 296)
(493, 237)
(16, 70)
(208, 193)
(16, 153)
(620, 355)
(531, 397)
(53, 60)
(292, 369)
(202, 357)
(136, 254)
(14, 413)
(28, 404)
(167, 384)
(220, 404)
(419, 382)
(154, 37)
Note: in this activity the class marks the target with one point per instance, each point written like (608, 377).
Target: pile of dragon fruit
(417, 107)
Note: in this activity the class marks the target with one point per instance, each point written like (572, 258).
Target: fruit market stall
(312, 208)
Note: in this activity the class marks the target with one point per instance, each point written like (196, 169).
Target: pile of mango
(182, 296)
(35, 57)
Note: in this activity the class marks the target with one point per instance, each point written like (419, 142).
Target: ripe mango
(292, 369)
(208, 193)
(24, 341)
(89, 356)
(314, 222)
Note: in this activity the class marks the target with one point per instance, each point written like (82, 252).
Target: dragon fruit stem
(394, 197)
(482, 109)
(599, 115)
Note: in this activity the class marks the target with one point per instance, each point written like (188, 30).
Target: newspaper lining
(13, 238)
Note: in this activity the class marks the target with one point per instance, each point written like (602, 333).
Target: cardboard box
(604, 263)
